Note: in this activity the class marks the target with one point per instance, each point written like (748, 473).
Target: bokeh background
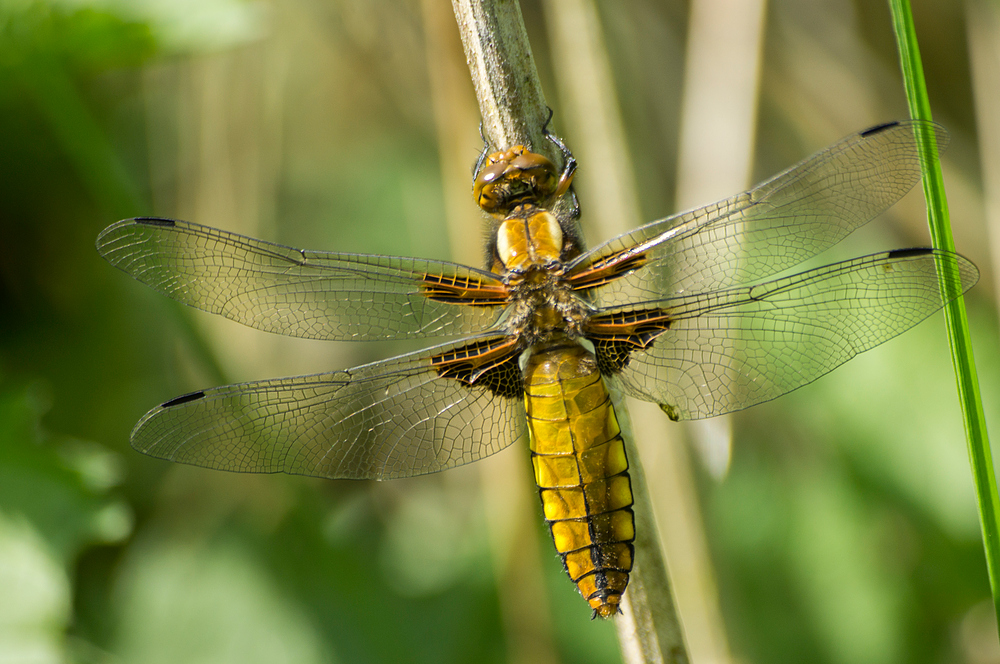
(834, 525)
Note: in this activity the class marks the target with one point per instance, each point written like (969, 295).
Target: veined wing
(311, 294)
(409, 415)
(759, 233)
(705, 355)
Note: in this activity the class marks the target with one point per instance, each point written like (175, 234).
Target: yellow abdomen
(581, 471)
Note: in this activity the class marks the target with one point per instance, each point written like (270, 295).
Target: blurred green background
(839, 527)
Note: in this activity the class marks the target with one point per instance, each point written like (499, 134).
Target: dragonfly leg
(482, 154)
(569, 165)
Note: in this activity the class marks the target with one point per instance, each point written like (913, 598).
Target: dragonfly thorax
(529, 238)
(543, 308)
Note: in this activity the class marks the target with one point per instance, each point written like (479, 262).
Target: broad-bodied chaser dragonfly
(685, 312)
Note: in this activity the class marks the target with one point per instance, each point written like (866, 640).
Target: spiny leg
(482, 154)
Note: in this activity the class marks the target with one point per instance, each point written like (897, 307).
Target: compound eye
(491, 172)
(486, 197)
(530, 161)
(485, 184)
(537, 170)
(514, 175)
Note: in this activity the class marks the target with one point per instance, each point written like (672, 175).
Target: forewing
(395, 418)
(716, 353)
(311, 294)
(774, 226)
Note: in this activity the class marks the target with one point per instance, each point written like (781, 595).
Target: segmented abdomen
(581, 471)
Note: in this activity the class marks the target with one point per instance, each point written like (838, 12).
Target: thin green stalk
(957, 325)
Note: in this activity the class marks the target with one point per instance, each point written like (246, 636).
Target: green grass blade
(957, 324)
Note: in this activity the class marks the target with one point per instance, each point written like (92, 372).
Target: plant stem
(514, 112)
(503, 72)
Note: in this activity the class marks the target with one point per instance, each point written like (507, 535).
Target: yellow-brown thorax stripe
(532, 240)
(581, 471)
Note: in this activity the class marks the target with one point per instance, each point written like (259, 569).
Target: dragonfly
(696, 312)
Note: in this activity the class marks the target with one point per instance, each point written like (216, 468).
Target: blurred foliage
(844, 532)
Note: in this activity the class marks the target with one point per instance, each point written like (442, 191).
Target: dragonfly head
(513, 178)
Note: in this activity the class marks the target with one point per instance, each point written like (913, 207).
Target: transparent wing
(394, 418)
(728, 350)
(317, 295)
(759, 233)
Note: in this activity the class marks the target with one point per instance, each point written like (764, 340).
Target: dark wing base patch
(465, 290)
(617, 335)
(607, 269)
(492, 364)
